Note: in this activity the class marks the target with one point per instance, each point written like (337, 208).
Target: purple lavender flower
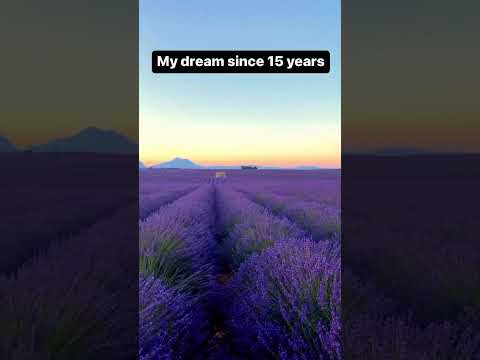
(321, 220)
(149, 203)
(176, 242)
(250, 228)
(169, 321)
(288, 300)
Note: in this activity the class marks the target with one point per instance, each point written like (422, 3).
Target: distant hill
(178, 163)
(6, 145)
(141, 165)
(90, 140)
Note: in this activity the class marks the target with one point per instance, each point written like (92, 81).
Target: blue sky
(271, 119)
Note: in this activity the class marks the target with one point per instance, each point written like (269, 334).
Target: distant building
(220, 175)
(249, 168)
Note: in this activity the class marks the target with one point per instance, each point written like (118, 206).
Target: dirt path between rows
(220, 344)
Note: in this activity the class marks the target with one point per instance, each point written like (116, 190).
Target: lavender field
(68, 280)
(246, 267)
(410, 258)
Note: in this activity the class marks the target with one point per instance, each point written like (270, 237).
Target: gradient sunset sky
(281, 120)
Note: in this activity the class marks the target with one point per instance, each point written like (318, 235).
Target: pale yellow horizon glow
(236, 142)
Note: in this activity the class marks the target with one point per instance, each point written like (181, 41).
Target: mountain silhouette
(6, 145)
(90, 140)
(178, 163)
(141, 165)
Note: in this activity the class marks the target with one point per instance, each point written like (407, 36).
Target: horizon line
(248, 163)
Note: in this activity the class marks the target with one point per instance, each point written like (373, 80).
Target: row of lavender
(176, 248)
(319, 218)
(149, 202)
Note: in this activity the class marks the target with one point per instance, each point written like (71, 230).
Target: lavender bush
(176, 242)
(150, 202)
(168, 321)
(176, 247)
(287, 301)
(319, 219)
(250, 228)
